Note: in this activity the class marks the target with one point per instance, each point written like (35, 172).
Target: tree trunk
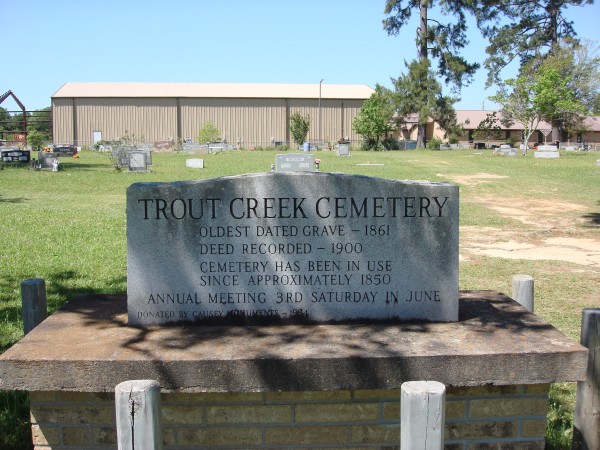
(556, 130)
(422, 59)
(421, 143)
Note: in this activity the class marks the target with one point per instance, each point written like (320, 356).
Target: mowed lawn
(518, 215)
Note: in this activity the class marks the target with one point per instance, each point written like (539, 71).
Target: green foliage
(488, 128)
(374, 119)
(438, 41)
(299, 126)
(528, 30)
(419, 92)
(209, 133)
(41, 120)
(517, 97)
(15, 429)
(434, 144)
(36, 139)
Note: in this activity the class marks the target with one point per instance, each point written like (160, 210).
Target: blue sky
(262, 41)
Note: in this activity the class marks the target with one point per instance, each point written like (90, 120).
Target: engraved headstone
(295, 162)
(344, 150)
(292, 247)
(137, 161)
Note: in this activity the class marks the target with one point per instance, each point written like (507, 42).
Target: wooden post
(33, 302)
(422, 420)
(522, 291)
(139, 421)
(586, 420)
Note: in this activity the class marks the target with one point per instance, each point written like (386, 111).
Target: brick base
(477, 418)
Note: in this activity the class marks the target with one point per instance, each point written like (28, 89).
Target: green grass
(68, 227)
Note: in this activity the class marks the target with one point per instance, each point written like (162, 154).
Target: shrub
(434, 144)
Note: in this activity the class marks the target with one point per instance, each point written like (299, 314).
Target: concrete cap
(88, 346)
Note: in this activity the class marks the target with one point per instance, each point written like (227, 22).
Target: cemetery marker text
(293, 247)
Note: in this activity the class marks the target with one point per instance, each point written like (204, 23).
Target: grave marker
(296, 247)
(295, 162)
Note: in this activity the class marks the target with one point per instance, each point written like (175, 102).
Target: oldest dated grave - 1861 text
(295, 247)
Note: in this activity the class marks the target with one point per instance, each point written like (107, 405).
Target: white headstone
(195, 163)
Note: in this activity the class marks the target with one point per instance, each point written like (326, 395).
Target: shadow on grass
(13, 200)
(593, 219)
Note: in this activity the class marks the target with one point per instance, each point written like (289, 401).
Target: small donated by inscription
(298, 247)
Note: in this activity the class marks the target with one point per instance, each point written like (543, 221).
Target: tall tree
(530, 30)
(374, 120)
(517, 97)
(435, 41)
(524, 29)
(418, 92)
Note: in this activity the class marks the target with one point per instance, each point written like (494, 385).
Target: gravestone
(15, 154)
(547, 151)
(344, 150)
(194, 163)
(138, 161)
(506, 150)
(292, 247)
(295, 162)
(46, 161)
(192, 147)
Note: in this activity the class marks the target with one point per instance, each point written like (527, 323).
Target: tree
(525, 29)
(299, 126)
(374, 119)
(570, 86)
(517, 97)
(488, 128)
(208, 133)
(41, 120)
(418, 92)
(435, 40)
(36, 139)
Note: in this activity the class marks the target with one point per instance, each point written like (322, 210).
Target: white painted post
(139, 420)
(522, 291)
(33, 303)
(422, 409)
(586, 420)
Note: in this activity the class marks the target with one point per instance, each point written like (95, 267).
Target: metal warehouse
(251, 114)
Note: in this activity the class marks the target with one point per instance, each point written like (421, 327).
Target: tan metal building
(251, 114)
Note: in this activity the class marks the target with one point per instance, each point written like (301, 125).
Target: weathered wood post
(422, 409)
(139, 420)
(33, 303)
(522, 291)
(586, 420)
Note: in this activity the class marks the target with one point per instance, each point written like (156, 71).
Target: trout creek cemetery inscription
(292, 247)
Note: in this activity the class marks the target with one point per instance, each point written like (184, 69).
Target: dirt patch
(473, 180)
(553, 233)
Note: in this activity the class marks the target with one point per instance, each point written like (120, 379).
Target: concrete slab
(87, 346)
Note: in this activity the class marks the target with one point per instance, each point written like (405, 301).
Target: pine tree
(435, 41)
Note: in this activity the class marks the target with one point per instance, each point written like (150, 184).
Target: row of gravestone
(288, 162)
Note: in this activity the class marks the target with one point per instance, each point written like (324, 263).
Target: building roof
(212, 90)
(470, 119)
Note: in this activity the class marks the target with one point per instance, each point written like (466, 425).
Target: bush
(391, 143)
(372, 145)
(434, 144)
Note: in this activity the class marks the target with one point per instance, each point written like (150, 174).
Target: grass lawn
(68, 227)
